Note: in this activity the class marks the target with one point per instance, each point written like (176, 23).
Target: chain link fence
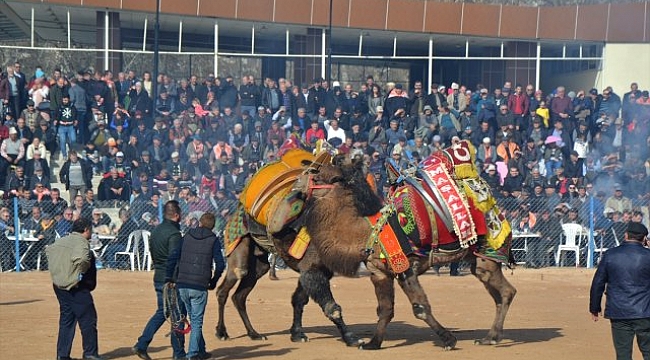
(120, 234)
(541, 237)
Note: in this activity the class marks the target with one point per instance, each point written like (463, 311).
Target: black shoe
(93, 357)
(63, 358)
(205, 356)
(142, 354)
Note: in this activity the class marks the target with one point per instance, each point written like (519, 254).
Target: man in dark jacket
(625, 271)
(76, 174)
(164, 239)
(190, 267)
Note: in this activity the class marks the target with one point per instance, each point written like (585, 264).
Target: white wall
(625, 64)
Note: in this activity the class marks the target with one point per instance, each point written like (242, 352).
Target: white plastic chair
(572, 235)
(146, 256)
(130, 250)
(601, 249)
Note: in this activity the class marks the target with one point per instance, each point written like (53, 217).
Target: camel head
(318, 179)
(346, 178)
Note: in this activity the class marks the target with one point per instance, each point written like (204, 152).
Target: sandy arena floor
(548, 319)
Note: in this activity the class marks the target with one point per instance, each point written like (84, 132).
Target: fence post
(17, 234)
(160, 211)
(590, 248)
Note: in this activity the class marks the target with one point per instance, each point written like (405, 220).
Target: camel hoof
(299, 337)
(485, 341)
(449, 340)
(222, 334)
(372, 345)
(257, 337)
(351, 339)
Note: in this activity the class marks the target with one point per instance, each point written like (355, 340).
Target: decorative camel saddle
(441, 209)
(268, 202)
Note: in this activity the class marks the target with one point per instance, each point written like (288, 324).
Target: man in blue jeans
(190, 267)
(67, 121)
(164, 239)
(625, 272)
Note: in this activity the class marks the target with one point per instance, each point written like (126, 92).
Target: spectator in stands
(618, 202)
(6, 246)
(16, 182)
(31, 222)
(45, 232)
(35, 145)
(37, 163)
(115, 186)
(81, 208)
(12, 152)
(76, 174)
(129, 225)
(40, 192)
(56, 204)
(101, 223)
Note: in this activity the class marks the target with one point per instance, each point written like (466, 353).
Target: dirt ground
(548, 319)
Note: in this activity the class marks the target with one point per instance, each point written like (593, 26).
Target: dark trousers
(76, 306)
(156, 321)
(623, 332)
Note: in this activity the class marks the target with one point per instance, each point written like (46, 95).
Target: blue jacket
(625, 271)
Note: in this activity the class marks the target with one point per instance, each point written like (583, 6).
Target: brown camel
(248, 262)
(344, 206)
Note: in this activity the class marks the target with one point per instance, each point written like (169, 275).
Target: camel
(339, 198)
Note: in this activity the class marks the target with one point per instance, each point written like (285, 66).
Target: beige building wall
(624, 64)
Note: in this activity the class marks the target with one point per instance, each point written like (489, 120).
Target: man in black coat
(190, 267)
(625, 272)
(76, 186)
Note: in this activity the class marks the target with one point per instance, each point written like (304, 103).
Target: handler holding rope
(190, 268)
(164, 239)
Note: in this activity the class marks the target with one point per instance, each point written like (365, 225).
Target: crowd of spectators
(544, 155)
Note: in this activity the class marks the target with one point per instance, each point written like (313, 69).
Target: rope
(172, 311)
(373, 239)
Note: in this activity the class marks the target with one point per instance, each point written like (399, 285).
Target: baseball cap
(119, 154)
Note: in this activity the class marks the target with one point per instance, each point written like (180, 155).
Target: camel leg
(408, 281)
(273, 261)
(316, 283)
(238, 264)
(491, 275)
(223, 290)
(245, 287)
(299, 300)
(385, 292)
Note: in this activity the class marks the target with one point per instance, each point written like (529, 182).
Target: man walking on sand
(190, 268)
(625, 272)
(164, 239)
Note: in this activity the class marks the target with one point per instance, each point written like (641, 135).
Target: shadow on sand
(408, 334)
(124, 352)
(248, 352)
(20, 302)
